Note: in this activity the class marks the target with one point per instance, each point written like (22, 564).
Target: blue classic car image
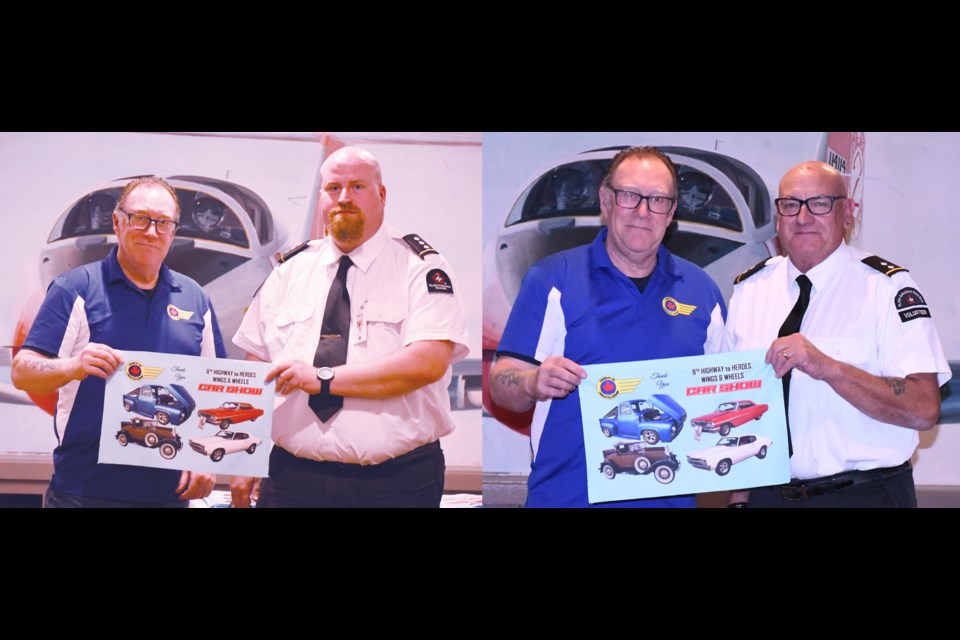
(173, 405)
(654, 419)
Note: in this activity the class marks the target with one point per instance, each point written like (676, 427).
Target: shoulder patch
(419, 246)
(885, 267)
(908, 297)
(749, 272)
(438, 282)
(910, 304)
(289, 254)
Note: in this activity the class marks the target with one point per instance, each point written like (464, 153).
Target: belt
(283, 458)
(805, 489)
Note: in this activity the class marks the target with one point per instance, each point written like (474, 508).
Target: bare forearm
(517, 385)
(415, 366)
(510, 387)
(912, 402)
(34, 373)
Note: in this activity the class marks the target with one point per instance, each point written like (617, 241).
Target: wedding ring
(786, 356)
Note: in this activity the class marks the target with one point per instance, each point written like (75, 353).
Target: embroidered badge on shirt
(912, 314)
(908, 297)
(438, 282)
(672, 307)
(136, 371)
(176, 313)
(609, 387)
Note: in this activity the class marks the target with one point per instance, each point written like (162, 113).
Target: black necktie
(334, 335)
(791, 326)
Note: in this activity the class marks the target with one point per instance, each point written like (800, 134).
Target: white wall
(910, 218)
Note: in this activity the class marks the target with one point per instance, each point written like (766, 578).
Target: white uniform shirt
(392, 306)
(856, 315)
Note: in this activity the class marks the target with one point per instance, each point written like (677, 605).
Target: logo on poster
(610, 387)
(136, 371)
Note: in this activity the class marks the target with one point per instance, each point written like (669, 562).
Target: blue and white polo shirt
(578, 305)
(97, 303)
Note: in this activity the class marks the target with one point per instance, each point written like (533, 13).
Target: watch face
(325, 373)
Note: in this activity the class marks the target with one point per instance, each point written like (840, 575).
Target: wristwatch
(325, 376)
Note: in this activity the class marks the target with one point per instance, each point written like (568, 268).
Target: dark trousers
(887, 488)
(414, 479)
(60, 500)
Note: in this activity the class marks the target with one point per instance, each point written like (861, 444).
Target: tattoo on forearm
(509, 377)
(41, 365)
(898, 385)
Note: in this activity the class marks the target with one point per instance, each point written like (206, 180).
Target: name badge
(360, 324)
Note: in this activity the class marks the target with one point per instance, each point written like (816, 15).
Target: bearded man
(363, 326)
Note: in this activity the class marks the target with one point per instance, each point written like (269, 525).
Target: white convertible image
(728, 452)
(223, 443)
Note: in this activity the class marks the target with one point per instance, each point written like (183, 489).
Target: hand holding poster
(683, 425)
(187, 412)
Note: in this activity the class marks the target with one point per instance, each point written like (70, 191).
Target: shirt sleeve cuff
(249, 347)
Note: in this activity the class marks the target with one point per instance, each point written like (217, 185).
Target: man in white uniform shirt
(865, 365)
(364, 432)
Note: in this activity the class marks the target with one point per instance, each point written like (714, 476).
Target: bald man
(863, 366)
(361, 430)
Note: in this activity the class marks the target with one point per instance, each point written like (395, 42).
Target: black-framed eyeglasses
(817, 205)
(141, 222)
(631, 200)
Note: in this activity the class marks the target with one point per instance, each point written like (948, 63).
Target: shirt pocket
(849, 350)
(382, 328)
(290, 332)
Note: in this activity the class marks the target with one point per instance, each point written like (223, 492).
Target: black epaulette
(885, 267)
(419, 246)
(289, 254)
(749, 272)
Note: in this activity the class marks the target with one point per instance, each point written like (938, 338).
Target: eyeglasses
(631, 200)
(817, 205)
(141, 222)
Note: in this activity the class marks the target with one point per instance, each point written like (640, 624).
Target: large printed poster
(187, 412)
(683, 425)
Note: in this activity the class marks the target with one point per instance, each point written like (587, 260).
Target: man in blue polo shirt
(614, 300)
(129, 300)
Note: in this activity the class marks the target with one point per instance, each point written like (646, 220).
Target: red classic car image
(229, 413)
(729, 415)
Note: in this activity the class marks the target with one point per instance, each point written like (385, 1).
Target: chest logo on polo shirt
(177, 313)
(673, 308)
(609, 387)
(136, 371)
